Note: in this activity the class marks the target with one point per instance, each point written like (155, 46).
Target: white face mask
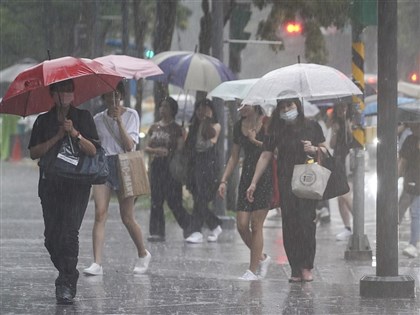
(64, 98)
(289, 115)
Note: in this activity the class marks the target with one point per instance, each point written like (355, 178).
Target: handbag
(132, 172)
(178, 166)
(72, 163)
(337, 183)
(309, 180)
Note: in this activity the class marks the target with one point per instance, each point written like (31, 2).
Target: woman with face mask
(295, 138)
(63, 201)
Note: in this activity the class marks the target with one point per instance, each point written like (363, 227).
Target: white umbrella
(302, 80)
(9, 74)
(232, 90)
(238, 89)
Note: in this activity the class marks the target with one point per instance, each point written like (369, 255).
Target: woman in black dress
(248, 134)
(295, 138)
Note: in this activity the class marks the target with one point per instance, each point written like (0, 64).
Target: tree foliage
(312, 13)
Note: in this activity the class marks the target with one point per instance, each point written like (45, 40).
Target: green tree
(312, 13)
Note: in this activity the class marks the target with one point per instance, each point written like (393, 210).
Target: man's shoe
(143, 263)
(156, 238)
(264, 266)
(249, 276)
(410, 251)
(94, 270)
(63, 294)
(344, 236)
(214, 234)
(195, 238)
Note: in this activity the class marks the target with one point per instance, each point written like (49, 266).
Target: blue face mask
(290, 115)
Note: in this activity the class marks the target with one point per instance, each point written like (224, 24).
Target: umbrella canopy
(29, 92)
(10, 73)
(302, 80)
(232, 90)
(130, 67)
(191, 71)
(409, 112)
(371, 108)
(238, 89)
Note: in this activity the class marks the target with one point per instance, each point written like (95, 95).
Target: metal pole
(387, 195)
(217, 51)
(358, 247)
(387, 282)
(125, 43)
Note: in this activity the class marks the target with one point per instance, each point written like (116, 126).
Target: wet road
(182, 279)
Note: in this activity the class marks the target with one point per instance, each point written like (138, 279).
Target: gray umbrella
(409, 112)
(9, 74)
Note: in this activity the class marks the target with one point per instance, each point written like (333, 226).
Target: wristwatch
(78, 137)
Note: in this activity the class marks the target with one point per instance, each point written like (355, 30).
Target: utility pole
(217, 52)
(358, 247)
(387, 282)
(125, 43)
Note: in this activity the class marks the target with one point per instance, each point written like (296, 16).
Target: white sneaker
(410, 251)
(142, 263)
(195, 238)
(264, 266)
(214, 234)
(249, 276)
(343, 236)
(94, 270)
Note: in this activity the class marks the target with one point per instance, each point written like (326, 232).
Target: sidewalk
(183, 278)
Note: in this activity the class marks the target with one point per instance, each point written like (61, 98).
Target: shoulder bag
(71, 163)
(309, 180)
(134, 180)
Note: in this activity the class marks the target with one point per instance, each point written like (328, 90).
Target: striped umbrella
(191, 71)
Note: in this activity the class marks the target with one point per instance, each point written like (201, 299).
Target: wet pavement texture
(182, 278)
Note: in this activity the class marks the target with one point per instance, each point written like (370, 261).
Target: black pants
(164, 188)
(63, 206)
(299, 230)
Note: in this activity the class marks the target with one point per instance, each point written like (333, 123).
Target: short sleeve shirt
(164, 136)
(131, 122)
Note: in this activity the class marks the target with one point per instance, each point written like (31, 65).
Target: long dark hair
(277, 124)
(195, 122)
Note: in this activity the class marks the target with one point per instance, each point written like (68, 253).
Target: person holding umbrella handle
(63, 201)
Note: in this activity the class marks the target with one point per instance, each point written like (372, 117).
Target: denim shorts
(113, 180)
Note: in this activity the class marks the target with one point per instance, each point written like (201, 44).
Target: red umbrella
(130, 67)
(29, 93)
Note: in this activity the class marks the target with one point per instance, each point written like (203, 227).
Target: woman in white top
(118, 130)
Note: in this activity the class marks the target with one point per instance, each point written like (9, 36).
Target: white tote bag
(310, 180)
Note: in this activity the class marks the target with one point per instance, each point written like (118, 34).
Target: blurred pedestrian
(118, 129)
(63, 202)
(248, 134)
(165, 137)
(295, 138)
(409, 169)
(203, 173)
(340, 142)
(404, 200)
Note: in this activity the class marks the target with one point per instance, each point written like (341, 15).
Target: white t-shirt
(130, 120)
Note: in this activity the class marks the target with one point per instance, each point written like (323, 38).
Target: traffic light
(414, 77)
(293, 28)
(238, 21)
(148, 53)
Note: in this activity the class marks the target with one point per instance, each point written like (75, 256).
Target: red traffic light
(414, 77)
(293, 28)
